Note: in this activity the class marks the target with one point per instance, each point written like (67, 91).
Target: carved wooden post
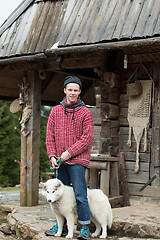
(33, 139)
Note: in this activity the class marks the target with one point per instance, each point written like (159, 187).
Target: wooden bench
(103, 174)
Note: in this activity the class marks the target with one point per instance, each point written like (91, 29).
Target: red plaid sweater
(74, 134)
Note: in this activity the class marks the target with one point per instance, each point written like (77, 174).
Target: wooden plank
(104, 157)
(151, 21)
(114, 179)
(18, 11)
(143, 19)
(130, 156)
(133, 14)
(21, 31)
(46, 16)
(75, 32)
(124, 180)
(103, 27)
(33, 139)
(98, 165)
(99, 19)
(93, 178)
(141, 177)
(123, 146)
(150, 191)
(71, 19)
(116, 201)
(23, 172)
(142, 165)
(114, 19)
(104, 180)
(121, 19)
(29, 15)
(29, 39)
(125, 130)
(155, 149)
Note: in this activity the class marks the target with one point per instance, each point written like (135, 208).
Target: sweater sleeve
(87, 137)
(50, 136)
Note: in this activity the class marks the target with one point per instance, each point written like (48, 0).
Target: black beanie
(72, 79)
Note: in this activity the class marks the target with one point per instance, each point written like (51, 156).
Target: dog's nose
(49, 200)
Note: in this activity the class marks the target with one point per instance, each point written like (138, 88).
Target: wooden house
(112, 45)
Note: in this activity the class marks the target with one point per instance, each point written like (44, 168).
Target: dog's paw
(103, 236)
(94, 235)
(57, 234)
(69, 236)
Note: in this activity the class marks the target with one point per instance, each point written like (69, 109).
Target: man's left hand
(65, 156)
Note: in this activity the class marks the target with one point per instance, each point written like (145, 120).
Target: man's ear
(64, 90)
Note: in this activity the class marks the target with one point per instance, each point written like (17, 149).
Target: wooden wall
(137, 181)
(112, 132)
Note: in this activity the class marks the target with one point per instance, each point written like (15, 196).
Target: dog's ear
(58, 184)
(43, 185)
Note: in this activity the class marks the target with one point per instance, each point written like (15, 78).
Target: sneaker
(54, 230)
(84, 233)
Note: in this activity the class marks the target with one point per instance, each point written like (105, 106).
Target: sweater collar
(79, 103)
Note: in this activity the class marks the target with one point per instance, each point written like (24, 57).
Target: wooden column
(109, 88)
(33, 139)
(155, 151)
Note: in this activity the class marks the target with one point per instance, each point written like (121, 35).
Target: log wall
(111, 131)
(136, 181)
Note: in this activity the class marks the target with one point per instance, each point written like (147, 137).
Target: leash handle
(59, 162)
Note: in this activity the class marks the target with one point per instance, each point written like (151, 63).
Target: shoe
(54, 230)
(84, 233)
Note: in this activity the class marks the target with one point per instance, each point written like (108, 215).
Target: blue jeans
(75, 174)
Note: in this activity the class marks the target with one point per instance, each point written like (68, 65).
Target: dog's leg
(70, 225)
(98, 227)
(104, 231)
(60, 221)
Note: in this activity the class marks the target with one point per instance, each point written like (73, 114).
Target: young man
(69, 135)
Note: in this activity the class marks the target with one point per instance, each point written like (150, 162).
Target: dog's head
(52, 190)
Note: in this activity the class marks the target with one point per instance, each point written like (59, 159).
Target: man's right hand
(53, 162)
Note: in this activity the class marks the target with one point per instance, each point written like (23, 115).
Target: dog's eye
(47, 191)
(53, 191)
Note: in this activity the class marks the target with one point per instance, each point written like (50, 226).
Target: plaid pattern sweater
(70, 129)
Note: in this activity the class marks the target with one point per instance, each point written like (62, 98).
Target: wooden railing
(103, 174)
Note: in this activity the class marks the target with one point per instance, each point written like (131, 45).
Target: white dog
(62, 201)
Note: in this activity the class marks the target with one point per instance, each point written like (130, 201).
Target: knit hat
(72, 79)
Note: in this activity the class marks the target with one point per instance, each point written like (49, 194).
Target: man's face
(72, 91)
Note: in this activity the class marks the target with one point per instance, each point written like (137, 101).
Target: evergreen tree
(9, 146)
(44, 161)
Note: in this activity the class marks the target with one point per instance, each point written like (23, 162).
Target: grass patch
(8, 189)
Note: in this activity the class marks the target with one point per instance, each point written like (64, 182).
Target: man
(69, 135)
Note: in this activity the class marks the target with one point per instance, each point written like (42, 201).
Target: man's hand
(53, 162)
(65, 156)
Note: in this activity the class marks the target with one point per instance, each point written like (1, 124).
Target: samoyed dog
(62, 202)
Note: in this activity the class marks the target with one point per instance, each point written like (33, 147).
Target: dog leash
(59, 162)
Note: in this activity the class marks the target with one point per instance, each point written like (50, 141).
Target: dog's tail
(110, 219)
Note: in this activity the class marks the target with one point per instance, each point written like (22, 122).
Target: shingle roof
(77, 22)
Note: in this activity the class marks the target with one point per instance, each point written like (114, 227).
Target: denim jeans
(75, 174)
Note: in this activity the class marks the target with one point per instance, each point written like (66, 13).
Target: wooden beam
(33, 139)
